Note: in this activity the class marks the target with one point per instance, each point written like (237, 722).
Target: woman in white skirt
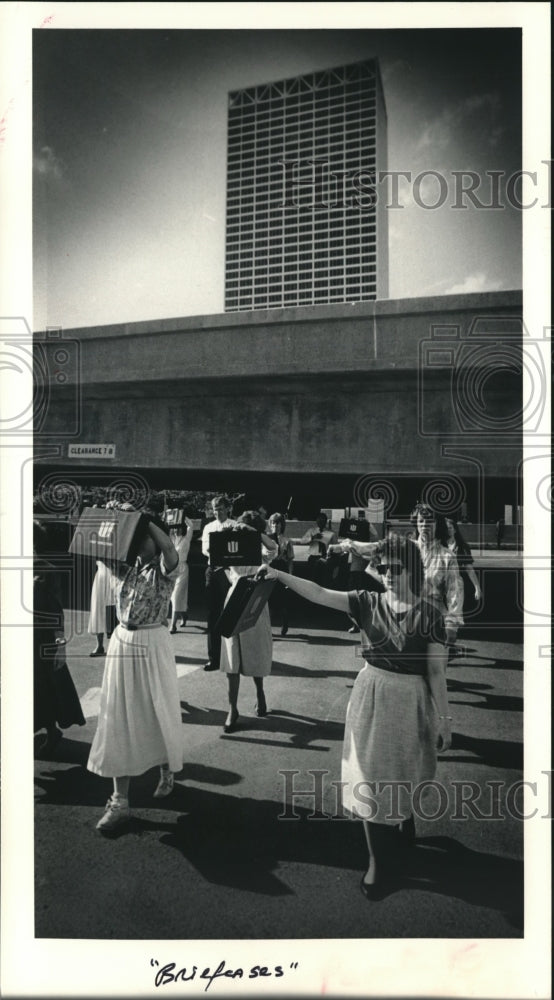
(101, 598)
(397, 716)
(139, 721)
(180, 595)
(249, 653)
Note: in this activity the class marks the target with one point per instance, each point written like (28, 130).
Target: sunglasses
(396, 569)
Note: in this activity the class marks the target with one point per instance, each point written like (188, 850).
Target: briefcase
(174, 517)
(235, 548)
(354, 528)
(245, 603)
(109, 534)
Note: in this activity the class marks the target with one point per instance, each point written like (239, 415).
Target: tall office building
(304, 223)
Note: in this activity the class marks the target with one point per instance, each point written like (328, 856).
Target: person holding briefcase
(139, 720)
(250, 652)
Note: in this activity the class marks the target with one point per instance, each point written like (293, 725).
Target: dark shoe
(97, 652)
(284, 630)
(261, 708)
(231, 723)
(372, 892)
(184, 622)
(173, 631)
(353, 629)
(210, 666)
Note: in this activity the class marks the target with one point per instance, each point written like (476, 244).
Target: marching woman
(457, 544)
(249, 653)
(139, 722)
(181, 539)
(443, 585)
(397, 715)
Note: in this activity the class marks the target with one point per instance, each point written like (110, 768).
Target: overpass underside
(329, 400)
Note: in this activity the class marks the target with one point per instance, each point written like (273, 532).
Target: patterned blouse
(142, 593)
(443, 585)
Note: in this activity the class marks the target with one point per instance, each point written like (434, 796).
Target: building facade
(422, 390)
(304, 223)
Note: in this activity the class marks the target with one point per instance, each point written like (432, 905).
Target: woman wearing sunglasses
(397, 716)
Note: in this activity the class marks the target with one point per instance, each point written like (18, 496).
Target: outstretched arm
(306, 588)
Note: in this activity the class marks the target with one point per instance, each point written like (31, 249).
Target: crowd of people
(404, 596)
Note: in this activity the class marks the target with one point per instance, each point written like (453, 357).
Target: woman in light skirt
(139, 721)
(250, 653)
(180, 596)
(397, 716)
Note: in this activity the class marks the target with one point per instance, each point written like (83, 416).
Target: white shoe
(117, 812)
(165, 784)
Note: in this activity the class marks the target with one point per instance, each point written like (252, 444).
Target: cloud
(476, 282)
(46, 164)
(440, 132)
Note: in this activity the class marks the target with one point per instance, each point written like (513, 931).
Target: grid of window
(301, 219)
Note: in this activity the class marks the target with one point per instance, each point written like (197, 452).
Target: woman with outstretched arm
(397, 715)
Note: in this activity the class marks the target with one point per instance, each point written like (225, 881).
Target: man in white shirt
(217, 583)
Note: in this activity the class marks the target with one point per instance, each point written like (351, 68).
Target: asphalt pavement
(238, 851)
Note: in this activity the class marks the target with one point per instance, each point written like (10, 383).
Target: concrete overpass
(331, 396)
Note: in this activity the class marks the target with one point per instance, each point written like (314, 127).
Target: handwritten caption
(167, 973)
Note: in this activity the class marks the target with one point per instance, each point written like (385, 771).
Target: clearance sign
(91, 451)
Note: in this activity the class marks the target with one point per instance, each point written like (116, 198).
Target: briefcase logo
(106, 530)
(232, 547)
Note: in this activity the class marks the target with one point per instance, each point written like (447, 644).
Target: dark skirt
(55, 698)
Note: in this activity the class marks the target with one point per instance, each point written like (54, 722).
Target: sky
(129, 160)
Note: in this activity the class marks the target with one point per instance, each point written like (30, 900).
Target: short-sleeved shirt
(393, 641)
(142, 593)
(215, 525)
(443, 585)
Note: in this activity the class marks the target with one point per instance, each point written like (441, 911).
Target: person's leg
(117, 807)
(99, 651)
(216, 589)
(233, 684)
(261, 707)
(376, 835)
(165, 784)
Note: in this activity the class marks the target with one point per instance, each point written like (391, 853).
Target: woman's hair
(253, 519)
(407, 552)
(280, 519)
(461, 543)
(427, 512)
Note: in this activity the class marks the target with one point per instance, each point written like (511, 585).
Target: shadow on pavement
(494, 753)
(303, 729)
(443, 865)
(245, 843)
(279, 669)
